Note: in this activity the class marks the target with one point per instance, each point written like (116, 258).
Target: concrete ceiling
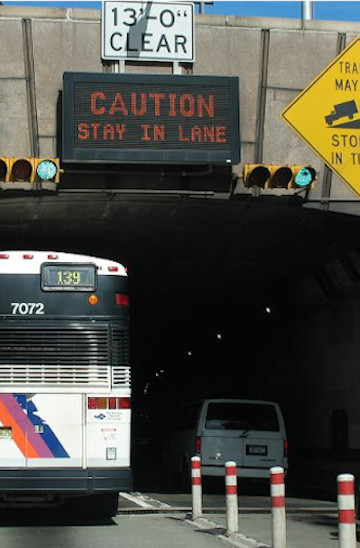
(196, 266)
(184, 249)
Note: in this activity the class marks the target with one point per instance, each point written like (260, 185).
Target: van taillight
(198, 444)
(286, 448)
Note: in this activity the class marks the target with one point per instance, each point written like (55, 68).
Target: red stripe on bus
(346, 516)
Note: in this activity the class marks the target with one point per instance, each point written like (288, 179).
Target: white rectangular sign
(147, 31)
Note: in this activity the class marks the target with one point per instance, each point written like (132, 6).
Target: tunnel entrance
(230, 298)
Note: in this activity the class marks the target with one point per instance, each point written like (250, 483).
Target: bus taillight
(124, 403)
(121, 299)
(108, 403)
(97, 403)
(93, 403)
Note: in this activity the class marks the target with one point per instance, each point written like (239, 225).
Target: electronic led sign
(68, 277)
(150, 118)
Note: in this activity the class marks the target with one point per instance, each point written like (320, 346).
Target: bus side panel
(57, 423)
(13, 432)
(108, 438)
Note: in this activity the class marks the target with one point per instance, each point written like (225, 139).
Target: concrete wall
(318, 358)
(273, 58)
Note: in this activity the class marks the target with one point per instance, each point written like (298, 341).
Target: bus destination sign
(132, 118)
(68, 277)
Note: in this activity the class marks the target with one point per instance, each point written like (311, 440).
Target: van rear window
(241, 416)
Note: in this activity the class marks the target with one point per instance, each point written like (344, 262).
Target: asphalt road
(50, 529)
(159, 516)
(309, 522)
(154, 521)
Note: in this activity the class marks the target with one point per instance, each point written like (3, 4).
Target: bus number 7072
(28, 308)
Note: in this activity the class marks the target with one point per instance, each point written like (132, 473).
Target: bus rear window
(241, 416)
(68, 277)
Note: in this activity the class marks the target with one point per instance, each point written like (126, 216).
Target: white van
(249, 432)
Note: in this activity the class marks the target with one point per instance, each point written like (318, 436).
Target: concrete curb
(211, 527)
(236, 539)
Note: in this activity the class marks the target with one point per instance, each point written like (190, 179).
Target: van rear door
(245, 432)
(264, 441)
(222, 435)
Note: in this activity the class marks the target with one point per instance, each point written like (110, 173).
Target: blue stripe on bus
(48, 436)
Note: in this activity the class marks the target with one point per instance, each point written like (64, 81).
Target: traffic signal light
(278, 176)
(29, 170)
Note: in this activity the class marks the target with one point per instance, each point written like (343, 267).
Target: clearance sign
(150, 118)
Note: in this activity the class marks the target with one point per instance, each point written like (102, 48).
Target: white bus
(64, 381)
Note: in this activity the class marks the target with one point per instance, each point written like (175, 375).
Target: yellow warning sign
(326, 115)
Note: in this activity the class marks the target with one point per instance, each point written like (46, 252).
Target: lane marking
(136, 500)
(235, 539)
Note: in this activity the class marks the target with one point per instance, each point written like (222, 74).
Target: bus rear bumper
(70, 481)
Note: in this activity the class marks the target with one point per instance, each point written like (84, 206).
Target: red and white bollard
(196, 488)
(277, 492)
(232, 515)
(346, 506)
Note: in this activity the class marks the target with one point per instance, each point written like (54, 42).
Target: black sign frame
(138, 154)
(47, 268)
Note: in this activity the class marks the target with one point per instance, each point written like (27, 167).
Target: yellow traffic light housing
(29, 170)
(22, 170)
(5, 169)
(278, 176)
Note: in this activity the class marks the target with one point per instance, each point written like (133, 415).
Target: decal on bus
(22, 416)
